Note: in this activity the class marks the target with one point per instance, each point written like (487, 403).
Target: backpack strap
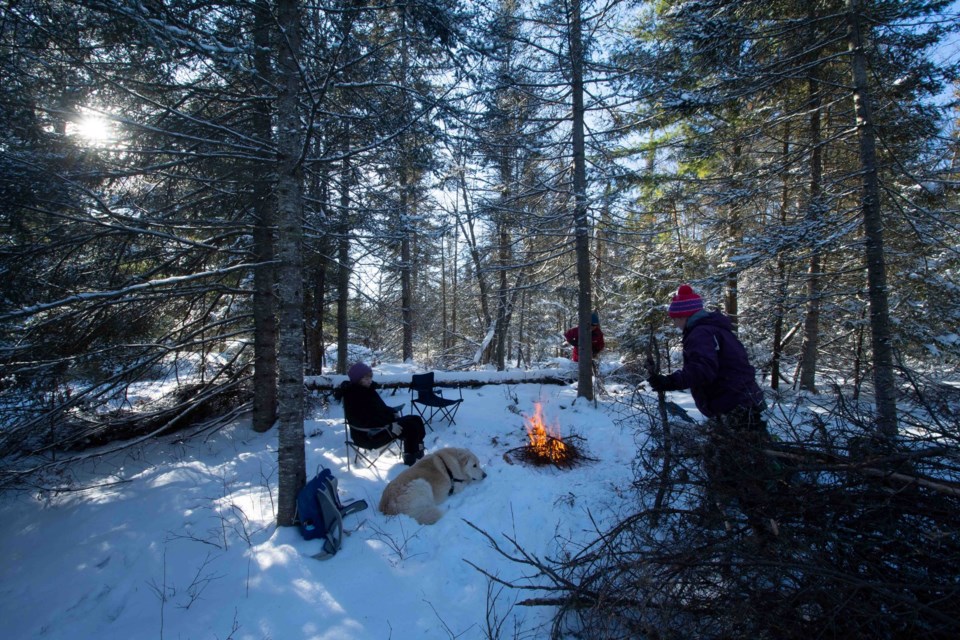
(334, 532)
(353, 507)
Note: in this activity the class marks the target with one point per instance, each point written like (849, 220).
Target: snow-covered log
(453, 379)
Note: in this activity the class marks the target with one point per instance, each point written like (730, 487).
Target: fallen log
(452, 379)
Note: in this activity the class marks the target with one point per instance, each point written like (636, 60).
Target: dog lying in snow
(419, 489)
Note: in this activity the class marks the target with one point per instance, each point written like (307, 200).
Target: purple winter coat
(715, 366)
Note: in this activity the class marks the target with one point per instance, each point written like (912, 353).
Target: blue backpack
(320, 512)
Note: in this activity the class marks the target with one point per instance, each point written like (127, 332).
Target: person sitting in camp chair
(363, 407)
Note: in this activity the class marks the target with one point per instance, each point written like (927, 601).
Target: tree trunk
(504, 296)
(406, 275)
(444, 329)
(601, 246)
(407, 173)
(780, 303)
(468, 229)
(581, 214)
(314, 310)
(881, 338)
(731, 296)
(291, 457)
(264, 301)
(343, 261)
(454, 291)
(811, 324)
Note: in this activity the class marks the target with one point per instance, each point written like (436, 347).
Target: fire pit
(545, 446)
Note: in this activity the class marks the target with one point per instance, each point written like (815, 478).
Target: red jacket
(596, 340)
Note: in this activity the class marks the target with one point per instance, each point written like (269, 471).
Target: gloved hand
(396, 429)
(659, 382)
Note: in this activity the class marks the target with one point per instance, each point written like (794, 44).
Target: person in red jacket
(596, 337)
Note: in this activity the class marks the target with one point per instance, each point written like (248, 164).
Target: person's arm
(572, 335)
(380, 412)
(701, 360)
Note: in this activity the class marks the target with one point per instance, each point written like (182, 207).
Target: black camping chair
(369, 443)
(359, 442)
(429, 401)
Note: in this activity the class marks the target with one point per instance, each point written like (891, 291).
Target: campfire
(545, 446)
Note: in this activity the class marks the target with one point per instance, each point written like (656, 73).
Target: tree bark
(880, 338)
(504, 296)
(581, 214)
(343, 260)
(468, 229)
(811, 324)
(731, 287)
(291, 456)
(780, 304)
(406, 274)
(453, 327)
(264, 300)
(407, 173)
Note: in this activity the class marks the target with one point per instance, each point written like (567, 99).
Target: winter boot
(420, 451)
(410, 459)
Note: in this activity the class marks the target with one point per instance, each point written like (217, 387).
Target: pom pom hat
(685, 303)
(358, 372)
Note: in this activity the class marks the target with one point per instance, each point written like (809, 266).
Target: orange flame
(545, 443)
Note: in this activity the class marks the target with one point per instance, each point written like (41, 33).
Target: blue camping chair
(429, 401)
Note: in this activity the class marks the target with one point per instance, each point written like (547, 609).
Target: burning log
(546, 447)
(571, 456)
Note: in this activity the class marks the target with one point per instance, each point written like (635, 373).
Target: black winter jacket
(363, 406)
(715, 366)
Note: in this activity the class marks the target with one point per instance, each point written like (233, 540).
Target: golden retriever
(419, 489)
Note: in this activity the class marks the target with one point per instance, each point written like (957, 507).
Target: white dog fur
(419, 489)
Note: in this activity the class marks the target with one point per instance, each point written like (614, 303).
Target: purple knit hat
(685, 303)
(358, 372)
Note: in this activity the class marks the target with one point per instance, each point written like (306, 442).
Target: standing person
(364, 407)
(596, 337)
(724, 387)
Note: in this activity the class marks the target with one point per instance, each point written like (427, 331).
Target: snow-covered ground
(177, 539)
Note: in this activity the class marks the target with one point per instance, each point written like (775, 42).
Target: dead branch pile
(190, 405)
(867, 545)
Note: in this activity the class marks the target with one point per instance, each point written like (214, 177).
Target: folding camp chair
(429, 401)
(357, 441)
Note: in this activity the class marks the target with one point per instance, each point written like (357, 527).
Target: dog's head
(466, 463)
(471, 465)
